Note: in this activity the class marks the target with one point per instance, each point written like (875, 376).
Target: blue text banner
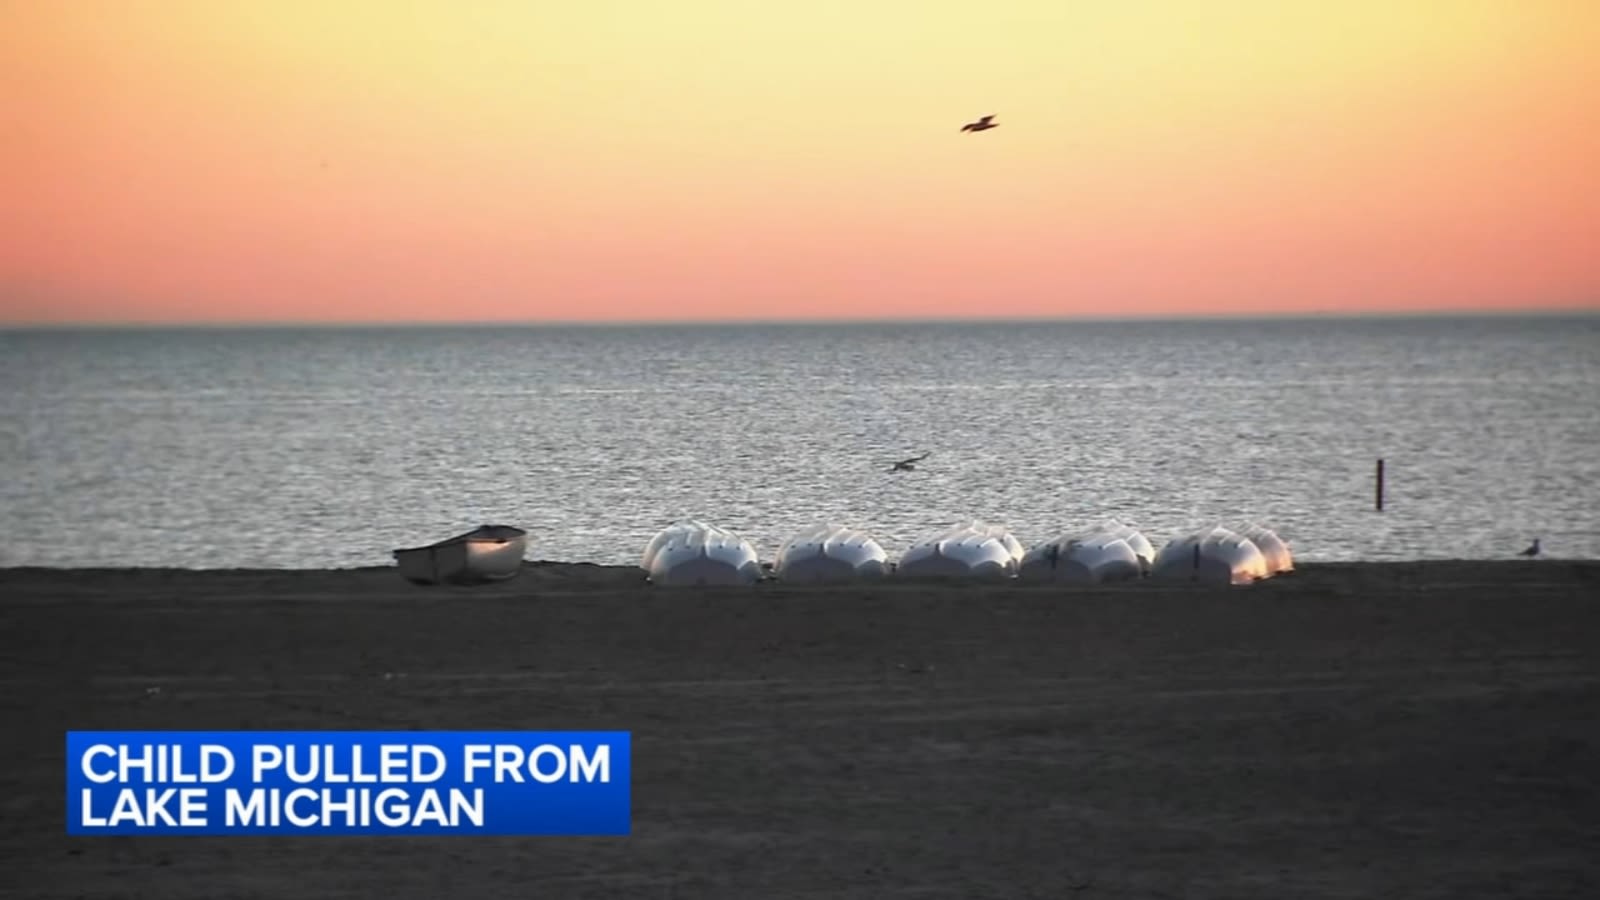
(349, 782)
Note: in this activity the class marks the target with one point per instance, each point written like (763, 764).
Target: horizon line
(1328, 315)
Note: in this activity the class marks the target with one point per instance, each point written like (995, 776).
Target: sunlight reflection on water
(296, 448)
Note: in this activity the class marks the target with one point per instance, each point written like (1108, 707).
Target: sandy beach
(1347, 731)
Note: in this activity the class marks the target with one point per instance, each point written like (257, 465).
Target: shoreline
(1345, 731)
(548, 564)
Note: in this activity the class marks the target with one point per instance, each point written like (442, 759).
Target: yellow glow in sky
(729, 159)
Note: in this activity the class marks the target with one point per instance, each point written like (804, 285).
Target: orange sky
(354, 160)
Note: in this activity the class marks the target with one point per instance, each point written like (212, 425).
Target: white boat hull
(967, 550)
(694, 553)
(826, 553)
(1136, 541)
(1089, 559)
(1273, 547)
(1218, 556)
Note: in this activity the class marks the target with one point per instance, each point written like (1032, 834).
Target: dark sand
(1352, 731)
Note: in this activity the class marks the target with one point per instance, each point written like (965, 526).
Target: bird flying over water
(909, 465)
(1532, 551)
(982, 124)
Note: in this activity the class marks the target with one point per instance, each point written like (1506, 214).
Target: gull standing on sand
(1532, 551)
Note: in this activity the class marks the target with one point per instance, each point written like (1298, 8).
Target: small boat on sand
(1273, 547)
(971, 549)
(1095, 555)
(1218, 556)
(485, 554)
(830, 552)
(690, 552)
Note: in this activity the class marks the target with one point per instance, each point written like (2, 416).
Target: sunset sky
(385, 160)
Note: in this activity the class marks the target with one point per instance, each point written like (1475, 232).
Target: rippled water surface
(330, 447)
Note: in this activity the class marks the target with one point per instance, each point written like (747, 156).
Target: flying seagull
(908, 465)
(1531, 551)
(983, 124)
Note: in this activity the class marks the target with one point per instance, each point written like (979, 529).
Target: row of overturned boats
(695, 553)
(692, 552)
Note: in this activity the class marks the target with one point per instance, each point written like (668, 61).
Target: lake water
(291, 448)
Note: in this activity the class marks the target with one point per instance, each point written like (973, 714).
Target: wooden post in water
(1379, 497)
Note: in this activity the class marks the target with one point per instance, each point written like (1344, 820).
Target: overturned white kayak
(830, 552)
(1136, 541)
(998, 532)
(1273, 547)
(1217, 556)
(694, 553)
(969, 549)
(487, 553)
(1092, 557)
